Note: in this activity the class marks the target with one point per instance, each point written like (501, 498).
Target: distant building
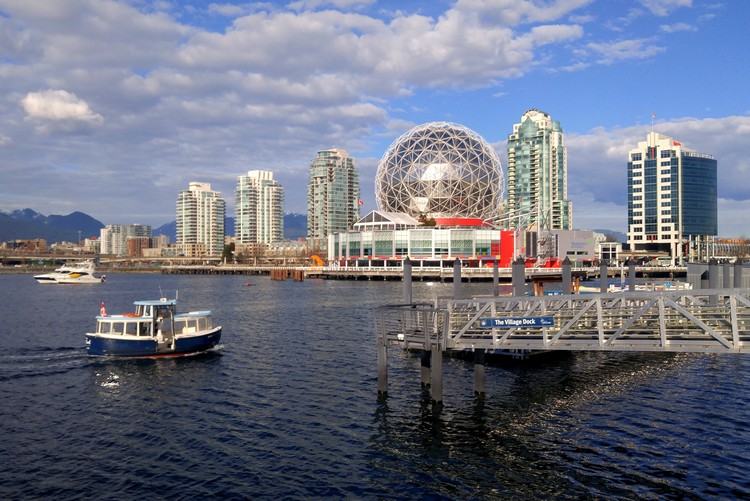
(332, 194)
(113, 238)
(672, 198)
(200, 221)
(259, 208)
(538, 175)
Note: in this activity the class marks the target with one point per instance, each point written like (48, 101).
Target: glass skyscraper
(672, 196)
(538, 175)
(259, 208)
(332, 194)
(200, 220)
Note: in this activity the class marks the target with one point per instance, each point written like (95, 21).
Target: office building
(259, 208)
(538, 175)
(332, 194)
(200, 221)
(672, 198)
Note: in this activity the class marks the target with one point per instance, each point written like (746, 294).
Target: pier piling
(425, 362)
(603, 278)
(382, 368)
(479, 369)
(436, 383)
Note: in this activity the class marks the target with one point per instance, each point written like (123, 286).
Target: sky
(112, 107)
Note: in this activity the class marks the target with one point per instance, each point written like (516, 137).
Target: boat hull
(109, 346)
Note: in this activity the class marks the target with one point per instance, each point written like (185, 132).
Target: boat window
(131, 328)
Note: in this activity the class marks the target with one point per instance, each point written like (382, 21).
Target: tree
(228, 253)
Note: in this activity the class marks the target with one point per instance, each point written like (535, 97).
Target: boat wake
(41, 362)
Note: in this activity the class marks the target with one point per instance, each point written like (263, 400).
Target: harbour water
(288, 407)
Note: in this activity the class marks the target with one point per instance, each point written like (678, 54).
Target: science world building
(437, 188)
(440, 191)
(440, 170)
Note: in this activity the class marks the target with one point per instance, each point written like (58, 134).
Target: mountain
(295, 226)
(28, 224)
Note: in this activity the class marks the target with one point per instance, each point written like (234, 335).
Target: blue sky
(113, 107)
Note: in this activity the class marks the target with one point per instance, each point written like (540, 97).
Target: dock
(712, 320)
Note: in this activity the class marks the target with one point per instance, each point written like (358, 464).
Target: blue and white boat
(154, 330)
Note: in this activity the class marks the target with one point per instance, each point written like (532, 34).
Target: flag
(676, 143)
(653, 115)
(103, 310)
(360, 202)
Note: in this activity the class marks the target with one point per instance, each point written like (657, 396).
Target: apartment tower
(332, 194)
(200, 221)
(538, 175)
(259, 208)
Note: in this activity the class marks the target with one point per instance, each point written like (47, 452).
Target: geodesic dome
(440, 169)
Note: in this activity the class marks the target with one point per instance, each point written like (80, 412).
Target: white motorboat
(82, 272)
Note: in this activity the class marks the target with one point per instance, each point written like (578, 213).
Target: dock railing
(709, 321)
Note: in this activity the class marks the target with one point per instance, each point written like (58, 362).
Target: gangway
(706, 321)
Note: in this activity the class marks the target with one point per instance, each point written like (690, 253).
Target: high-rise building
(259, 208)
(332, 194)
(114, 237)
(672, 197)
(538, 175)
(200, 220)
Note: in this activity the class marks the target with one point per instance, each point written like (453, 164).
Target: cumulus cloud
(58, 105)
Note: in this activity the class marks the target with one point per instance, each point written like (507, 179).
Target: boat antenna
(161, 292)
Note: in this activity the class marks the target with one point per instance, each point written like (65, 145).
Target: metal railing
(711, 321)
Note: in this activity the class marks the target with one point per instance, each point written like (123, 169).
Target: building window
(636, 156)
(666, 153)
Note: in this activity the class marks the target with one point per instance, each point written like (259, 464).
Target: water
(288, 407)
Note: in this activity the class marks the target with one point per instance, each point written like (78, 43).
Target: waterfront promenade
(419, 273)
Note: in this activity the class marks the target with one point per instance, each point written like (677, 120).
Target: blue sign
(491, 323)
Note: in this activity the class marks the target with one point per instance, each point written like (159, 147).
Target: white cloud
(625, 49)
(674, 28)
(58, 105)
(664, 7)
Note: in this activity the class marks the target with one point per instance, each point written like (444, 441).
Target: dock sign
(490, 323)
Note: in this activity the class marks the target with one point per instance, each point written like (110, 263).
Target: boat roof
(156, 302)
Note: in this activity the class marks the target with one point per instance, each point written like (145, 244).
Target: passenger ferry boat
(154, 330)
